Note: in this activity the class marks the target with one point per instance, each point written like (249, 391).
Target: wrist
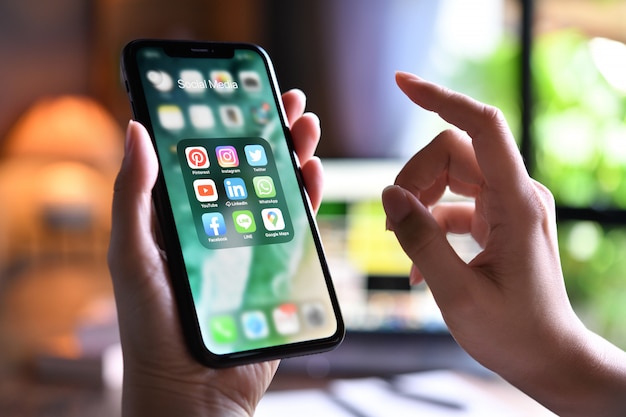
(580, 374)
(156, 397)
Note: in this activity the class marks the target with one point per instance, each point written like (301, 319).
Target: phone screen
(253, 262)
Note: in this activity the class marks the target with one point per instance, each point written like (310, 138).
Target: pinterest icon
(197, 157)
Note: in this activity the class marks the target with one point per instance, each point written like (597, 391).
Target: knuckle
(492, 113)
(541, 205)
(492, 118)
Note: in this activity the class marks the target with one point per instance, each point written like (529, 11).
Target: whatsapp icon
(264, 187)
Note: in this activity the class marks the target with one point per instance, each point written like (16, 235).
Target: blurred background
(63, 112)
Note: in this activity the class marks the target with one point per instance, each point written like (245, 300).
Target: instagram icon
(227, 156)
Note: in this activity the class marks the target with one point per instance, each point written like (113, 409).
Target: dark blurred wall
(43, 51)
(73, 46)
(342, 54)
(118, 22)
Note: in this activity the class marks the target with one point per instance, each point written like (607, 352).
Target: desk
(432, 393)
(301, 385)
(300, 396)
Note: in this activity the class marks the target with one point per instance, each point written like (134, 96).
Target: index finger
(448, 160)
(496, 151)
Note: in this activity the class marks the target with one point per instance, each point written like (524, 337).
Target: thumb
(131, 229)
(425, 243)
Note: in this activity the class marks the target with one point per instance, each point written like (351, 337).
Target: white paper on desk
(446, 385)
(301, 403)
(372, 397)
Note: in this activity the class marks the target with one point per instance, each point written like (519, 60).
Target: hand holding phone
(160, 376)
(245, 262)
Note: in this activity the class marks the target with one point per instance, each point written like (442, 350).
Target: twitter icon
(255, 154)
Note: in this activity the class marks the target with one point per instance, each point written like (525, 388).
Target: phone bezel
(165, 216)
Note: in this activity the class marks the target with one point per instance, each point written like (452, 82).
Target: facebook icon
(214, 224)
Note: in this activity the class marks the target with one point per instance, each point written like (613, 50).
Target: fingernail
(388, 225)
(408, 76)
(396, 204)
(415, 277)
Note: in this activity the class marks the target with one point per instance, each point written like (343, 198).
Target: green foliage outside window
(579, 152)
(580, 124)
(595, 274)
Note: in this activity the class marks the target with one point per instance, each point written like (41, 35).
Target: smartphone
(245, 257)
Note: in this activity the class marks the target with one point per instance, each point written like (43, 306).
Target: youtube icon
(205, 190)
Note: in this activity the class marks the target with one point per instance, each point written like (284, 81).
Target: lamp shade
(73, 128)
